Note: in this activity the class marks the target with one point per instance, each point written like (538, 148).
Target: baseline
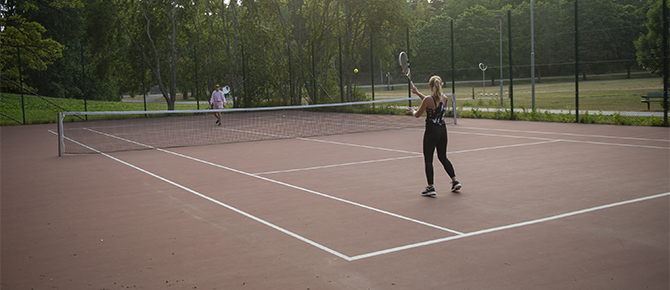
(501, 228)
(458, 235)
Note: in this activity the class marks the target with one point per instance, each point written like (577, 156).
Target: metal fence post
(83, 79)
(339, 43)
(511, 71)
(23, 107)
(195, 90)
(409, 83)
(576, 62)
(372, 68)
(453, 73)
(144, 90)
(665, 62)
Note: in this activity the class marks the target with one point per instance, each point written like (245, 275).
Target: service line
(458, 235)
(329, 250)
(414, 155)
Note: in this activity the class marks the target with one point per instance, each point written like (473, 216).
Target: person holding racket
(217, 101)
(435, 135)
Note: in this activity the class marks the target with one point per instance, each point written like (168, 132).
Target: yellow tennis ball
(356, 70)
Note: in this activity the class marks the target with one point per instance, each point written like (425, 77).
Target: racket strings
(404, 64)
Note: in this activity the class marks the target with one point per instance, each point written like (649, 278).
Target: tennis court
(543, 206)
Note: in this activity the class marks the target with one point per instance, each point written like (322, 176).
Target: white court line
(568, 134)
(371, 254)
(322, 141)
(544, 141)
(617, 144)
(287, 185)
(356, 145)
(337, 165)
(566, 140)
(299, 237)
(505, 146)
(501, 228)
(416, 155)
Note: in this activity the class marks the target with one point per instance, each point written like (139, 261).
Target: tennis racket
(404, 65)
(225, 90)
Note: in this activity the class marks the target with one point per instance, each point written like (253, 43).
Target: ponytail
(436, 83)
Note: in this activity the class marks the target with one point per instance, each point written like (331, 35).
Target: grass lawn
(595, 95)
(39, 111)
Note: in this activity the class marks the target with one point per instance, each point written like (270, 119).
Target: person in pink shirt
(217, 101)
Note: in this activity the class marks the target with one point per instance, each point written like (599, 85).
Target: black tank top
(436, 115)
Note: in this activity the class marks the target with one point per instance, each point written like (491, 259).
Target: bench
(652, 97)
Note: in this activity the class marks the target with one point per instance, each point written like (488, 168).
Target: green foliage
(43, 30)
(40, 111)
(23, 39)
(273, 52)
(607, 31)
(650, 45)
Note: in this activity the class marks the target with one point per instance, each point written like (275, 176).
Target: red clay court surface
(543, 206)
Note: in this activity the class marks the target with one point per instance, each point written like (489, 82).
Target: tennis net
(137, 130)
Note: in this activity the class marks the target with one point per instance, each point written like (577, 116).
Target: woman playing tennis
(217, 101)
(435, 135)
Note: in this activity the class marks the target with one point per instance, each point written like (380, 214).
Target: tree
(433, 54)
(649, 47)
(22, 36)
(159, 29)
(477, 39)
(607, 34)
(67, 75)
(114, 64)
(359, 18)
(273, 52)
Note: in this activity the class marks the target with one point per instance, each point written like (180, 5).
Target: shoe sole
(456, 188)
(429, 193)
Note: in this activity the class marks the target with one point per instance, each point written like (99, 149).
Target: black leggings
(435, 136)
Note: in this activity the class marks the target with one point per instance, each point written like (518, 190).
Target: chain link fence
(586, 63)
(569, 61)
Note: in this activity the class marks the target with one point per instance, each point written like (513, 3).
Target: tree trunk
(229, 42)
(173, 58)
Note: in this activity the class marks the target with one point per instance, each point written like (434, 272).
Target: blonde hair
(435, 82)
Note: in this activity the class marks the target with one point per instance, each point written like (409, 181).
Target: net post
(60, 134)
